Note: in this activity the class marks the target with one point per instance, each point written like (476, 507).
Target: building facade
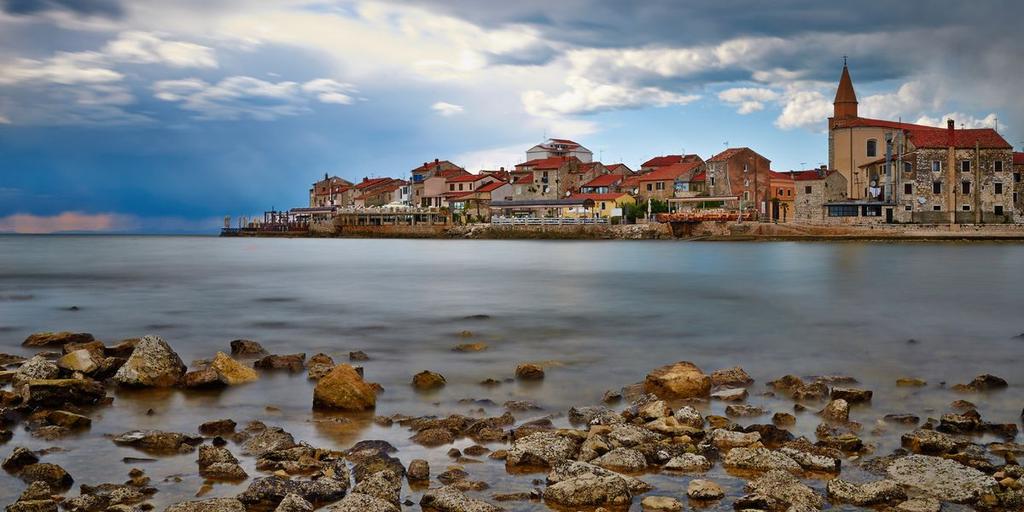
(815, 189)
(329, 191)
(559, 148)
(741, 173)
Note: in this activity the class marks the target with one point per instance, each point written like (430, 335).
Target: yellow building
(603, 206)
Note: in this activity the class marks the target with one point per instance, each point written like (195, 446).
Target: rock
(56, 339)
(785, 488)
(589, 490)
(319, 365)
(260, 439)
(920, 505)
(210, 505)
(910, 382)
(812, 457)
(9, 359)
(700, 489)
(18, 459)
(837, 410)
(231, 372)
(46, 505)
(292, 362)
(629, 436)
(343, 388)
(529, 371)
(78, 361)
(470, 347)
(660, 504)
(744, 411)
(201, 379)
(688, 462)
(543, 449)
(294, 503)
(152, 364)
(450, 499)
(384, 485)
(689, 416)
(931, 442)
(587, 415)
(851, 395)
(759, 459)
(731, 377)
(874, 493)
(37, 490)
(58, 392)
(68, 420)
(671, 427)
(247, 348)
(572, 469)
(678, 380)
(903, 419)
(432, 437)
(218, 463)
(217, 427)
(37, 368)
(653, 410)
(419, 471)
(771, 435)
(626, 460)
(427, 380)
(986, 382)
(358, 502)
(727, 439)
(270, 491)
(943, 479)
(787, 383)
(814, 391)
(123, 349)
(730, 395)
(155, 441)
(50, 474)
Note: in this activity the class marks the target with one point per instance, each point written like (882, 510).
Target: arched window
(872, 147)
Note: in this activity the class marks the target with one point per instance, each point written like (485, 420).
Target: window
(1015, 197)
(1016, 177)
(746, 195)
(744, 167)
(460, 186)
(936, 208)
(712, 181)
(908, 188)
(871, 211)
(999, 188)
(789, 192)
(660, 185)
(842, 211)
(998, 166)
(965, 166)
(965, 207)
(872, 148)
(602, 205)
(907, 208)
(936, 166)
(908, 167)
(936, 187)
(998, 210)
(965, 187)
(807, 189)
(650, 187)
(780, 192)
(451, 187)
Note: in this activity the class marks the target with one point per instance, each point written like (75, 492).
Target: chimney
(950, 132)
(822, 170)
(436, 160)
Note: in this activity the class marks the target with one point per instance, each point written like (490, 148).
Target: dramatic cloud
(149, 48)
(63, 223)
(965, 120)
(67, 68)
(446, 109)
(244, 97)
(586, 97)
(110, 8)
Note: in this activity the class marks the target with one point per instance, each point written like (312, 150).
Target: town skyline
(152, 124)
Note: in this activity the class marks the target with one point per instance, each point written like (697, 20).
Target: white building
(559, 147)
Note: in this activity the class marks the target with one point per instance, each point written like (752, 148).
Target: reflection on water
(605, 312)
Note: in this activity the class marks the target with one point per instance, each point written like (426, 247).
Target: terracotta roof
(428, 165)
(660, 161)
(779, 175)
(700, 176)
(670, 172)
(371, 182)
(454, 195)
(1018, 158)
(524, 180)
(604, 180)
(854, 122)
(845, 93)
(610, 196)
(554, 162)
(462, 178)
(813, 174)
(725, 155)
(490, 186)
(985, 138)
(564, 141)
(615, 167)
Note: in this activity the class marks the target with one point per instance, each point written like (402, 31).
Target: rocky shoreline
(605, 459)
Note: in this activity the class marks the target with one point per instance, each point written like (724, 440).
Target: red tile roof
(630, 181)
(661, 161)
(779, 175)
(429, 165)
(524, 180)
(564, 141)
(670, 172)
(880, 123)
(494, 185)
(604, 180)
(371, 182)
(813, 174)
(725, 155)
(462, 178)
(700, 176)
(615, 168)
(985, 138)
(1018, 158)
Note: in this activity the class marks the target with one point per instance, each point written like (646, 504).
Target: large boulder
(152, 364)
(678, 380)
(38, 367)
(940, 478)
(56, 339)
(210, 505)
(344, 389)
(450, 499)
(51, 474)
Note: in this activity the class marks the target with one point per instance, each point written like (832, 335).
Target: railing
(545, 221)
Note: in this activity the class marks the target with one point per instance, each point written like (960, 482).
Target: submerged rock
(427, 380)
(873, 493)
(700, 489)
(343, 388)
(985, 382)
(155, 441)
(152, 364)
(529, 371)
(56, 339)
(940, 478)
(678, 380)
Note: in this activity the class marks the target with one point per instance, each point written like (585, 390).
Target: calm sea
(599, 314)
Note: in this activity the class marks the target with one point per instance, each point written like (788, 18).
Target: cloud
(748, 99)
(138, 47)
(66, 68)
(804, 109)
(108, 8)
(967, 120)
(446, 109)
(63, 223)
(244, 97)
(586, 97)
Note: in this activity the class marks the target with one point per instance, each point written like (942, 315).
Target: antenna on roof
(997, 124)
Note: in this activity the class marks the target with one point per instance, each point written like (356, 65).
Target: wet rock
(292, 362)
(358, 502)
(941, 478)
(837, 410)
(78, 361)
(903, 419)
(201, 379)
(427, 380)
(919, 505)
(688, 462)
(671, 427)
(318, 366)
(771, 435)
(259, 439)
(158, 442)
(573, 469)
(700, 489)
(210, 505)
(50, 432)
(221, 427)
(629, 436)
(37, 368)
(106, 497)
(68, 420)
(727, 439)
(294, 503)
(58, 392)
(450, 499)
(231, 372)
(660, 504)
(653, 410)
(152, 364)
(813, 458)
(543, 449)
(787, 383)
(470, 347)
(730, 395)
(611, 396)
(432, 437)
(46, 505)
(419, 471)
(985, 382)
(812, 392)
(18, 459)
(589, 490)
(270, 491)
(10, 359)
(37, 490)
(731, 377)
(586, 415)
(689, 416)
(370, 461)
(785, 488)
(529, 371)
(218, 463)
(123, 349)
(851, 395)
(678, 380)
(931, 442)
(874, 493)
(759, 459)
(910, 382)
(247, 348)
(50, 474)
(626, 460)
(344, 389)
(744, 411)
(56, 339)
(384, 485)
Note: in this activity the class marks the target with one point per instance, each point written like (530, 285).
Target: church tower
(845, 104)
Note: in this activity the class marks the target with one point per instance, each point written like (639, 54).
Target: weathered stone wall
(811, 196)
(982, 198)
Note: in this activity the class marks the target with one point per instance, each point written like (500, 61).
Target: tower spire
(845, 104)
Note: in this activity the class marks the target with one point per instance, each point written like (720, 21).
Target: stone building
(741, 173)
(559, 148)
(548, 178)
(1018, 184)
(675, 180)
(814, 189)
(419, 176)
(330, 191)
(665, 160)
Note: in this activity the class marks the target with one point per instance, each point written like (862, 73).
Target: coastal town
(879, 172)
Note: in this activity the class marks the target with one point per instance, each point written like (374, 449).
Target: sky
(163, 117)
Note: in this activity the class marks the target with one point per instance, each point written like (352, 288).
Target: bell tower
(845, 104)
